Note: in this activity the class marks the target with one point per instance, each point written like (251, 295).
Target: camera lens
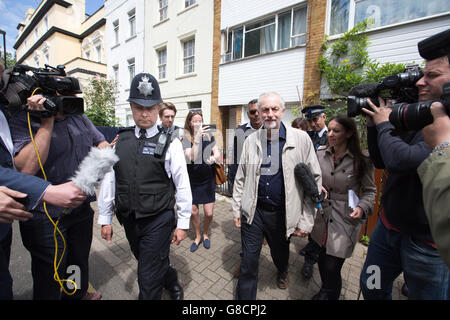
(412, 116)
(355, 104)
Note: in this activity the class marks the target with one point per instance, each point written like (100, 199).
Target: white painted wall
(128, 47)
(182, 24)
(282, 72)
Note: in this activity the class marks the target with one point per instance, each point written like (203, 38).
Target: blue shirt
(271, 182)
(71, 141)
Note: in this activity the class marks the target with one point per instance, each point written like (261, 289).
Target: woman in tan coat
(345, 171)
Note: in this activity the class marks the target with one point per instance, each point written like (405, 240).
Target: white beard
(270, 124)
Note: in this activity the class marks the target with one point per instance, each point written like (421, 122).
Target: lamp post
(4, 45)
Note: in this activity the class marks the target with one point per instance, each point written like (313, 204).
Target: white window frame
(132, 22)
(98, 51)
(46, 55)
(162, 65)
(188, 59)
(46, 23)
(36, 60)
(229, 56)
(115, 70)
(163, 9)
(131, 68)
(116, 32)
(188, 3)
(352, 18)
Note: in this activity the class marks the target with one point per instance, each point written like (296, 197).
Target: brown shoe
(92, 296)
(282, 280)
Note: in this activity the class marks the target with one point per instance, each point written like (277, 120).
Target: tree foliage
(10, 59)
(99, 97)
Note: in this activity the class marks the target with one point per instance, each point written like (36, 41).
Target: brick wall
(316, 31)
(216, 116)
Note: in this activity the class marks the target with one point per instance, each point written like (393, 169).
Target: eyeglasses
(196, 111)
(252, 112)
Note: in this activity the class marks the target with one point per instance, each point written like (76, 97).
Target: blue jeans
(425, 273)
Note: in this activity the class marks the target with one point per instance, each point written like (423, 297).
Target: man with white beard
(274, 205)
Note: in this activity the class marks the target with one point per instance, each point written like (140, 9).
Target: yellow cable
(55, 265)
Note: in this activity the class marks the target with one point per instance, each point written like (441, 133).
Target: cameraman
(402, 241)
(62, 142)
(434, 173)
(15, 186)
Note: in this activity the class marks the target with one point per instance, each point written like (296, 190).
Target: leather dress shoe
(176, 292)
(307, 270)
(282, 280)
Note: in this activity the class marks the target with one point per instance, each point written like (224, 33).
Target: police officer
(316, 119)
(144, 184)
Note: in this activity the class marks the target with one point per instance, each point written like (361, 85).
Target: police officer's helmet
(313, 111)
(144, 90)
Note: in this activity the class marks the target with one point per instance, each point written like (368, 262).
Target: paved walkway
(208, 274)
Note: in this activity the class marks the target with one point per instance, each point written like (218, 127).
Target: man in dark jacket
(402, 241)
(241, 133)
(19, 193)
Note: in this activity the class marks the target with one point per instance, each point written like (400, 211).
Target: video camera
(408, 114)
(51, 82)
(417, 115)
(401, 86)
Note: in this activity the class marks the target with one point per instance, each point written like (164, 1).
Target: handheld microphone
(93, 168)
(304, 176)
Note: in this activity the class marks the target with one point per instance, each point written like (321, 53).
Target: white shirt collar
(150, 132)
(322, 132)
(249, 125)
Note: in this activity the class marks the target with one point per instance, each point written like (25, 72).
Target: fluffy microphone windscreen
(93, 168)
(304, 176)
(365, 90)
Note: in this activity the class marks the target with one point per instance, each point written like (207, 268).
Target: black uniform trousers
(266, 223)
(37, 237)
(149, 240)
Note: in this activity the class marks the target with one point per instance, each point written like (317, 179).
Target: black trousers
(311, 251)
(6, 281)
(149, 240)
(37, 237)
(330, 274)
(269, 224)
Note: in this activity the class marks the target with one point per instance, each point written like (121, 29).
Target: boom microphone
(370, 89)
(304, 176)
(93, 168)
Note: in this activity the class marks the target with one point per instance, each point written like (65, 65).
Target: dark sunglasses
(252, 112)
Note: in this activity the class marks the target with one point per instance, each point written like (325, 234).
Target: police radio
(162, 140)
